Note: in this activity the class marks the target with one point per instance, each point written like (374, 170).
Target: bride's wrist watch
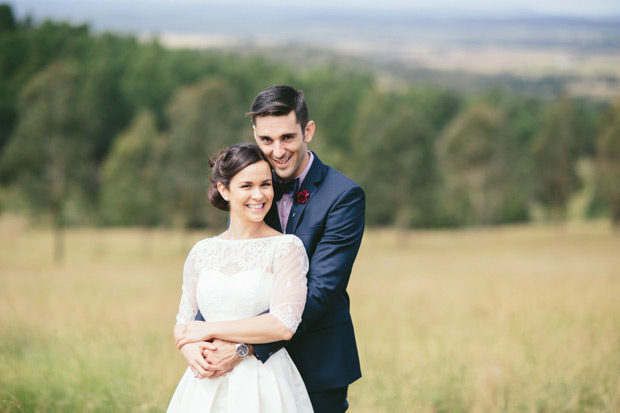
(242, 350)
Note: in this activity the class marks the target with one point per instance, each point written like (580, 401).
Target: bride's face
(250, 192)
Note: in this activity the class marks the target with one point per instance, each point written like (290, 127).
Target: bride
(248, 269)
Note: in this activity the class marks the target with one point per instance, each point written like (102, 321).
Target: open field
(515, 319)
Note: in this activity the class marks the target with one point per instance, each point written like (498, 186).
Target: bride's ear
(224, 192)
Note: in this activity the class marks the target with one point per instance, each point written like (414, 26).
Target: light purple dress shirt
(286, 202)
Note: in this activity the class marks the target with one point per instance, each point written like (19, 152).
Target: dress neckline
(217, 237)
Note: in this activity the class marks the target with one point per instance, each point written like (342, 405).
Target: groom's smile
(280, 163)
(284, 143)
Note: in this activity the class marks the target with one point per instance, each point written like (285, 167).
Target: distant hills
(323, 26)
(523, 44)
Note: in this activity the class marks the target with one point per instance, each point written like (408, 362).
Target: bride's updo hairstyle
(229, 163)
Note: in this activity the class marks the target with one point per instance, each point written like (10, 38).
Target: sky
(581, 8)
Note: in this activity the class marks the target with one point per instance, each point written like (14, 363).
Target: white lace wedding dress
(230, 280)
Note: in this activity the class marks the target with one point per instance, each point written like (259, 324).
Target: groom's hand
(223, 358)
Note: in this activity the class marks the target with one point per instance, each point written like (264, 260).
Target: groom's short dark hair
(280, 100)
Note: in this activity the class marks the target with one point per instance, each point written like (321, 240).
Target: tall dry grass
(520, 319)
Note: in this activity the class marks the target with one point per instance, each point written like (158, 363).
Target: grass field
(516, 319)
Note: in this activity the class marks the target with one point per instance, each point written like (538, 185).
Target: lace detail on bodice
(230, 280)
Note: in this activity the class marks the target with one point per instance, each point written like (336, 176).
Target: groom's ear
(309, 132)
(254, 132)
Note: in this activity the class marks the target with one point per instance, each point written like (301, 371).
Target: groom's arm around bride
(327, 214)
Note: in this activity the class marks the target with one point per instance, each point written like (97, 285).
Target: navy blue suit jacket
(330, 224)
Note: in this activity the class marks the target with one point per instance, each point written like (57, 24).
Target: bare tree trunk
(59, 235)
(59, 244)
(57, 184)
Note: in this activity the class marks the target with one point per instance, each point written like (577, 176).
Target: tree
(608, 162)
(334, 98)
(11, 58)
(26, 51)
(473, 157)
(131, 175)
(555, 152)
(149, 80)
(7, 20)
(203, 119)
(437, 106)
(394, 148)
(50, 151)
(104, 66)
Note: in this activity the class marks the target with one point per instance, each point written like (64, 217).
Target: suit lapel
(310, 184)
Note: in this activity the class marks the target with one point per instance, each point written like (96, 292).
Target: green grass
(516, 319)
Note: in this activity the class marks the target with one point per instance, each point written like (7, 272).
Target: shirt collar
(303, 174)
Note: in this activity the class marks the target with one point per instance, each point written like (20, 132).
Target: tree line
(103, 129)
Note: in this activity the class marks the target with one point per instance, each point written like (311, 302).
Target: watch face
(242, 350)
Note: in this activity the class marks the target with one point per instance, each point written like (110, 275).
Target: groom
(325, 209)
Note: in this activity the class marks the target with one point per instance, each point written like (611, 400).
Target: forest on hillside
(104, 129)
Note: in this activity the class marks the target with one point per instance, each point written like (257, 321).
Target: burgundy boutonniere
(302, 197)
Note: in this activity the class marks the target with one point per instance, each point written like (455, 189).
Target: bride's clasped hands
(192, 332)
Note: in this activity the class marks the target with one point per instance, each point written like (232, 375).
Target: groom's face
(284, 143)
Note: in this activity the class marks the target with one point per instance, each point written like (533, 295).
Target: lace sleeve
(288, 296)
(188, 307)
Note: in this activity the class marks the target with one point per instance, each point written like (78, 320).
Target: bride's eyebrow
(252, 182)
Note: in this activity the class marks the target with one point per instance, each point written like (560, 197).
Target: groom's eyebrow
(284, 134)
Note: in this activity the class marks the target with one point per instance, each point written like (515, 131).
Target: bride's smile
(256, 206)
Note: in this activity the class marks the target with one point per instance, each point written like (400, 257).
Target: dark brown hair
(280, 100)
(229, 163)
